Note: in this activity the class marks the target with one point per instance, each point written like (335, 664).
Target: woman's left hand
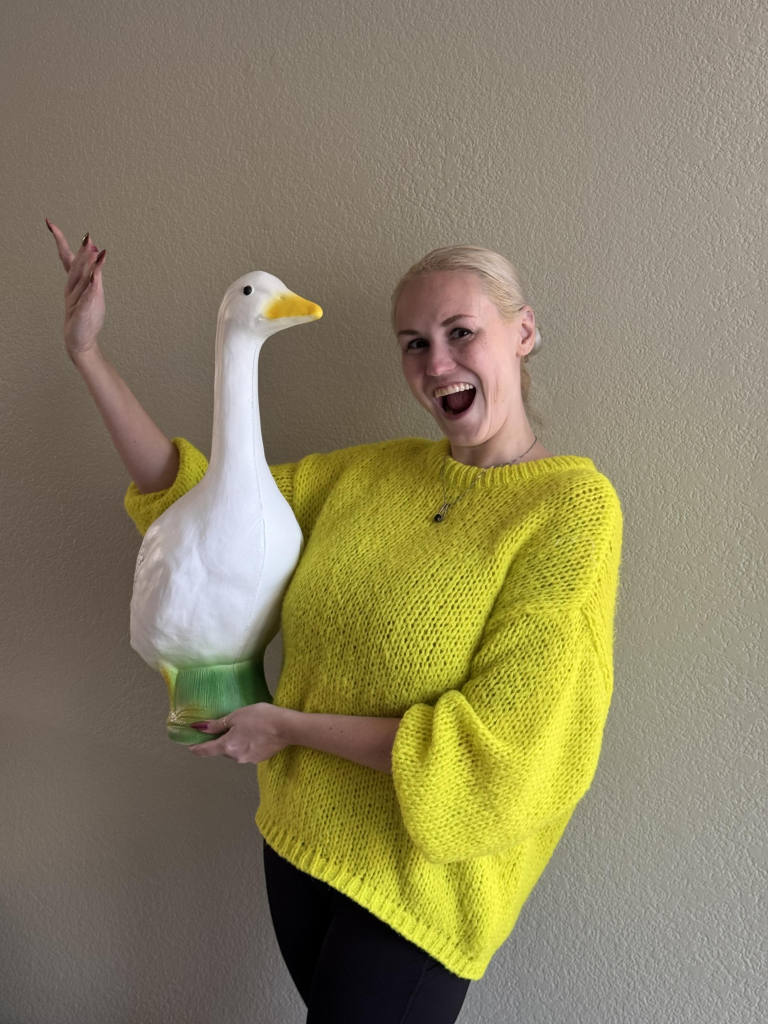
(251, 734)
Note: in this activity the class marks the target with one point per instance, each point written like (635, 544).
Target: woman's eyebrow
(456, 316)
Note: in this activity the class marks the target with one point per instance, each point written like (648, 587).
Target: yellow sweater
(490, 633)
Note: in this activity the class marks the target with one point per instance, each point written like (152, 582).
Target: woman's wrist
(284, 720)
(85, 359)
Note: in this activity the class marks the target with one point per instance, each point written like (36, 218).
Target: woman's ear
(527, 331)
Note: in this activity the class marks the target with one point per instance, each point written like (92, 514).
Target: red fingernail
(49, 225)
(199, 725)
(101, 256)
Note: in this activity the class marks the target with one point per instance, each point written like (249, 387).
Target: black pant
(349, 966)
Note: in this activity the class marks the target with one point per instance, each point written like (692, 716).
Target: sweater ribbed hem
(315, 863)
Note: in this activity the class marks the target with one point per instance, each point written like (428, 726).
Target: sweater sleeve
(144, 509)
(305, 484)
(513, 749)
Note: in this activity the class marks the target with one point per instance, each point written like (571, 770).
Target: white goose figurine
(212, 570)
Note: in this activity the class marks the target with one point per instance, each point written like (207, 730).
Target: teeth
(452, 388)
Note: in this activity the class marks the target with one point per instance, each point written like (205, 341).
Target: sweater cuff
(145, 508)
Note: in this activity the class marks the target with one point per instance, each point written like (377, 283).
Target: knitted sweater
(490, 634)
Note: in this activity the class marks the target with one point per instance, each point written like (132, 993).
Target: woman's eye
(464, 331)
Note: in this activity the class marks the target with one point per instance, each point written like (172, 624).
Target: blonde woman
(448, 652)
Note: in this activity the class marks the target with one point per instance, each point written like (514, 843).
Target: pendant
(441, 514)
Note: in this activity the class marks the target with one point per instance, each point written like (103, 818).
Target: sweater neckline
(460, 475)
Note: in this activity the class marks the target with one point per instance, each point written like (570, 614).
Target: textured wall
(616, 152)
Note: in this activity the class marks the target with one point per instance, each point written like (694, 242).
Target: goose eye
(247, 290)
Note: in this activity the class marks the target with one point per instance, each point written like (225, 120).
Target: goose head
(260, 304)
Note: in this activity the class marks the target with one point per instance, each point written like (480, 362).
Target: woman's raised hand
(83, 293)
(149, 456)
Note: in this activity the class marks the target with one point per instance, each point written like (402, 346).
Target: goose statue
(212, 570)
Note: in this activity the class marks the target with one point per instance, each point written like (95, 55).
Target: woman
(448, 652)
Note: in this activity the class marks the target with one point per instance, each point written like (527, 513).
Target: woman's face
(449, 331)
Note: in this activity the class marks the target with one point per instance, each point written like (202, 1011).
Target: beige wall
(616, 152)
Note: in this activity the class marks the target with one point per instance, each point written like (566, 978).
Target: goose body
(212, 570)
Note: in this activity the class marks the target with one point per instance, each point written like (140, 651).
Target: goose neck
(237, 447)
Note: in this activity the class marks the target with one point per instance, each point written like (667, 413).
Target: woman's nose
(439, 362)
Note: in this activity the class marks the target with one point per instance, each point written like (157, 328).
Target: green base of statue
(204, 692)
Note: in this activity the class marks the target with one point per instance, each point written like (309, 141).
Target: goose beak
(291, 305)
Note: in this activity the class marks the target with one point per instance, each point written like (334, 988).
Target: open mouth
(460, 403)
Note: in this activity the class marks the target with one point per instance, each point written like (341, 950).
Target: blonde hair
(499, 278)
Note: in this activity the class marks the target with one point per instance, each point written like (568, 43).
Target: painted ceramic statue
(212, 570)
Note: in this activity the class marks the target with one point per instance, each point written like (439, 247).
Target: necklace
(447, 504)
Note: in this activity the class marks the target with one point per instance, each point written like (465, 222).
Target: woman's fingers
(98, 263)
(65, 253)
(211, 749)
(213, 725)
(81, 264)
(74, 263)
(91, 271)
(81, 273)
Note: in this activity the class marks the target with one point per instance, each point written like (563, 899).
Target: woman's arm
(256, 732)
(359, 738)
(149, 456)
